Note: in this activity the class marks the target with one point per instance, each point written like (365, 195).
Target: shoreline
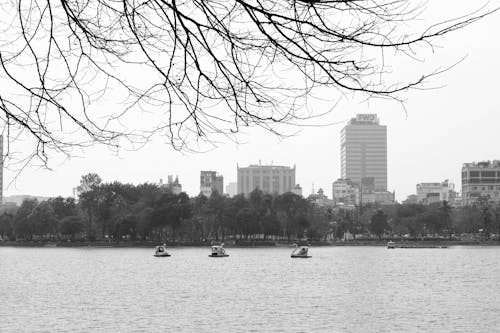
(249, 244)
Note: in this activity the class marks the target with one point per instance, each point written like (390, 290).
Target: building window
(488, 174)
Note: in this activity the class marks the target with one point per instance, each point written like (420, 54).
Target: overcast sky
(441, 129)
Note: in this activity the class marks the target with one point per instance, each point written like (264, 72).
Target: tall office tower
(363, 144)
(210, 181)
(268, 178)
(1, 169)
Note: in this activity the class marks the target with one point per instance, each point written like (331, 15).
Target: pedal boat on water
(161, 251)
(391, 245)
(218, 251)
(300, 252)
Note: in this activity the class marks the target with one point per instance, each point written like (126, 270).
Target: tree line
(152, 212)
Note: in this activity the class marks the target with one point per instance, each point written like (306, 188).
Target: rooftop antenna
(313, 188)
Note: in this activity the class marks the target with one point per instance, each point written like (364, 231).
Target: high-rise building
(211, 181)
(268, 178)
(363, 143)
(481, 179)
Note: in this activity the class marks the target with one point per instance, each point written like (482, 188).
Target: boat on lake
(391, 245)
(161, 251)
(218, 251)
(300, 252)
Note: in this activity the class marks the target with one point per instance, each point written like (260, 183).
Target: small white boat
(218, 251)
(391, 245)
(300, 252)
(161, 251)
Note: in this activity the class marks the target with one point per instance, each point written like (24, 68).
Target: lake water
(340, 289)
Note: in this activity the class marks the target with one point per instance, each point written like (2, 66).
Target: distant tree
(126, 225)
(42, 219)
(61, 208)
(246, 220)
(147, 194)
(320, 223)
(22, 226)
(200, 214)
(6, 228)
(487, 216)
(270, 225)
(293, 206)
(71, 226)
(170, 210)
(379, 224)
(144, 222)
(88, 183)
(180, 210)
(446, 212)
(161, 214)
(496, 216)
(346, 219)
(88, 192)
(215, 210)
(467, 219)
(302, 223)
(431, 221)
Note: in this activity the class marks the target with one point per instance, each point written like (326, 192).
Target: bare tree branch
(193, 71)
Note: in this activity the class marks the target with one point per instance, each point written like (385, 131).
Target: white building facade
(428, 193)
(268, 178)
(481, 179)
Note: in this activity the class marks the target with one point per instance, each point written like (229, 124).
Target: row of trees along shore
(151, 212)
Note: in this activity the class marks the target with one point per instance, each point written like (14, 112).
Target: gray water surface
(340, 289)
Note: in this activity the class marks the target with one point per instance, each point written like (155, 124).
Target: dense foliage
(116, 211)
